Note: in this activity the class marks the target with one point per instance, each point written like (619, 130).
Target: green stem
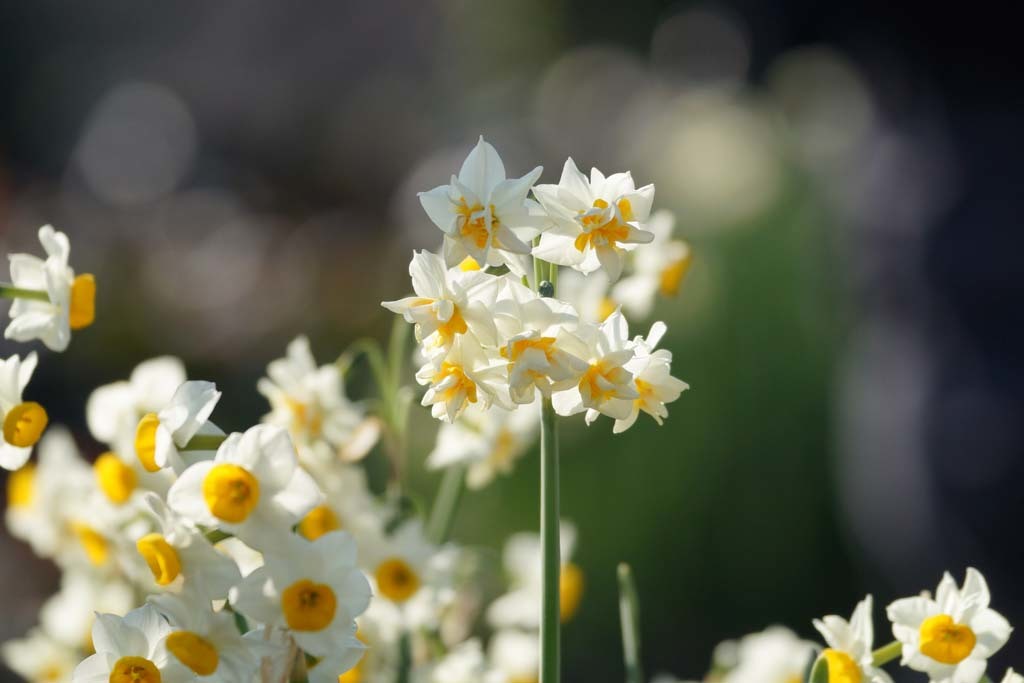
(629, 617)
(216, 535)
(446, 504)
(8, 291)
(204, 442)
(553, 274)
(887, 653)
(550, 548)
(404, 658)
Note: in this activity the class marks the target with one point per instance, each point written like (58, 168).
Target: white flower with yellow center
(520, 606)
(606, 386)
(400, 565)
(348, 505)
(514, 657)
(314, 589)
(848, 655)
(161, 438)
(775, 655)
(651, 369)
(448, 303)
(23, 421)
(483, 214)
(658, 268)
(489, 441)
(178, 553)
(202, 642)
(339, 666)
(68, 615)
(252, 488)
(596, 220)
(951, 637)
(468, 373)
(130, 649)
(63, 303)
(38, 658)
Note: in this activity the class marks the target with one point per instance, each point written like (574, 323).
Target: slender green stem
(551, 559)
(404, 658)
(216, 535)
(11, 292)
(553, 274)
(204, 442)
(446, 504)
(629, 617)
(887, 653)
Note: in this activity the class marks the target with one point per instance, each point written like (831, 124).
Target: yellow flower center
(51, 674)
(134, 670)
(231, 492)
(454, 325)
(161, 557)
(570, 587)
(592, 380)
(946, 641)
(306, 418)
(396, 580)
(193, 651)
(21, 487)
(93, 542)
(841, 667)
(82, 310)
(515, 349)
(145, 441)
(475, 228)
(116, 480)
(308, 606)
(318, 522)
(462, 382)
(596, 234)
(606, 308)
(24, 424)
(468, 264)
(672, 276)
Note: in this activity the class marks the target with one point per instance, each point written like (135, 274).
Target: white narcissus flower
(658, 268)
(399, 564)
(514, 656)
(483, 214)
(464, 663)
(72, 300)
(161, 438)
(342, 661)
(314, 589)
(253, 488)
(39, 658)
(23, 421)
(448, 303)
(68, 615)
(775, 655)
(130, 649)
(596, 220)
(203, 642)
(950, 637)
(655, 385)
(849, 646)
(466, 374)
(348, 504)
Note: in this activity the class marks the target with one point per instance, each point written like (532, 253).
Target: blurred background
(237, 173)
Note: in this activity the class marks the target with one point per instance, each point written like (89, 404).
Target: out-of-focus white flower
(39, 658)
(587, 294)
(595, 220)
(655, 385)
(130, 649)
(72, 300)
(464, 663)
(483, 214)
(69, 614)
(658, 268)
(348, 504)
(253, 488)
(513, 656)
(161, 437)
(849, 646)
(399, 563)
(775, 655)
(313, 588)
(951, 637)
(488, 441)
(467, 374)
(23, 421)
(334, 667)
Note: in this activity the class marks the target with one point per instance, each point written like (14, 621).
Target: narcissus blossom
(775, 655)
(160, 438)
(655, 386)
(488, 442)
(466, 375)
(849, 646)
(23, 421)
(130, 649)
(658, 268)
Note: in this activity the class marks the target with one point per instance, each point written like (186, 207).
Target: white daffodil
(68, 615)
(587, 294)
(489, 441)
(951, 637)
(465, 375)
(464, 663)
(849, 646)
(606, 386)
(595, 220)
(38, 658)
(203, 642)
(655, 385)
(179, 553)
(161, 438)
(658, 268)
(130, 649)
(309, 401)
(63, 303)
(483, 214)
(23, 421)
(520, 606)
(775, 655)
(313, 588)
(448, 303)
(348, 504)
(252, 488)
(514, 657)
(399, 564)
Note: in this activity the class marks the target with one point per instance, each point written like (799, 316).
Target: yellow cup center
(82, 310)
(672, 276)
(162, 558)
(318, 522)
(946, 641)
(231, 492)
(93, 543)
(193, 651)
(841, 667)
(116, 479)
(145, 441)
(21, 487)
(570, 584)
(24, 424)
(134, 670)
(462, 382)
(396, 580)
(308, 606)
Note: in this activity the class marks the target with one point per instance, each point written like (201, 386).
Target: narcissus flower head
(23, 421)
(848, 655)
(130, 649)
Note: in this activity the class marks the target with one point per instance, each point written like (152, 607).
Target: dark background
(850, 175)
